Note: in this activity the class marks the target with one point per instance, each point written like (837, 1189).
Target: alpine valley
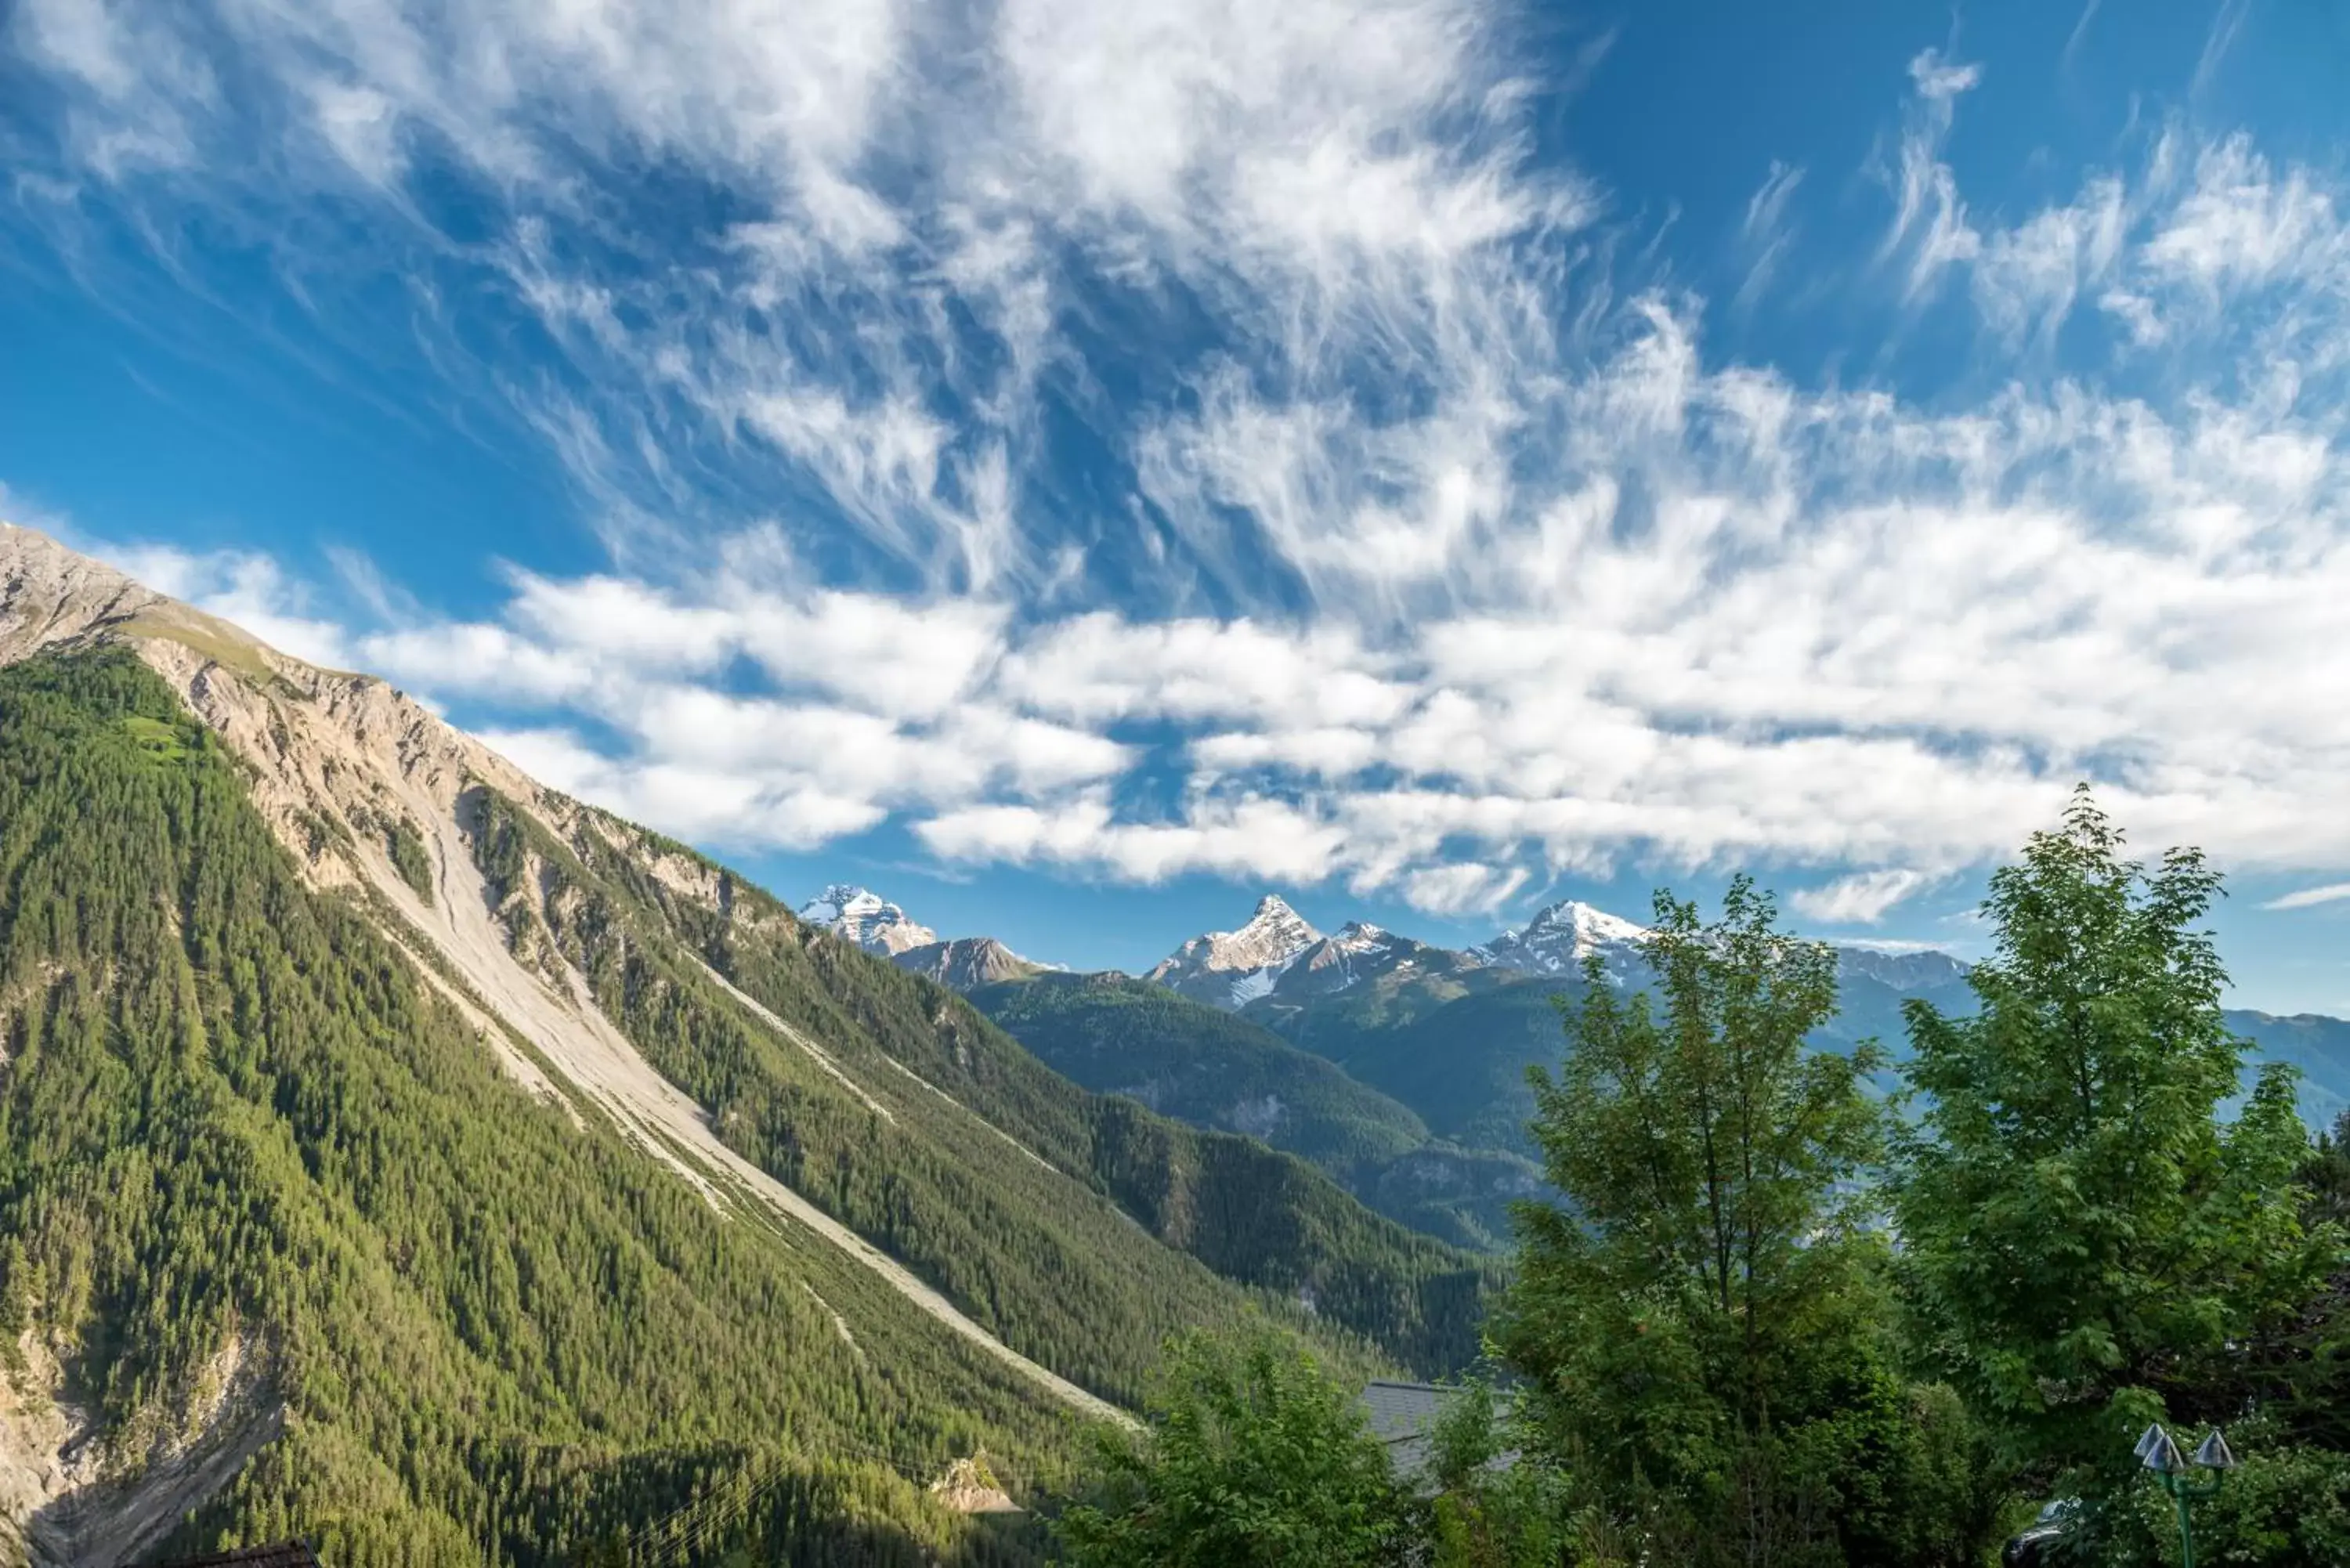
(399, 1155)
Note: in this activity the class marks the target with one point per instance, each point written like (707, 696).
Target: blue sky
(1073, 467)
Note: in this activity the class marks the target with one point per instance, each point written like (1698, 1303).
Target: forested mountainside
(396, 1152)
(900, 1174)
(295, 1238)
(1214, 1069)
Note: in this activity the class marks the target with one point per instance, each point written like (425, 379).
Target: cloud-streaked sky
(1072, 465)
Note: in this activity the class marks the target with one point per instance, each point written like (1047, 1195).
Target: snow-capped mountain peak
(1230, 969)
(865, 917)
(1557, 939)
(1276, 932)
(1585, 924)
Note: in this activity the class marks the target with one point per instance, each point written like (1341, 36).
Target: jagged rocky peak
(1274, 932)
(865, 917)
(1230, 969)
(1560, 938)
(967, 963)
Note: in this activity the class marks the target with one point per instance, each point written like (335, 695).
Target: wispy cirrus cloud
(2309, 898)
(1766, 232)
(1930, 232)
(1176, 437)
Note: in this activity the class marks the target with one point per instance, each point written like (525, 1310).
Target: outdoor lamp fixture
(2159, 1454)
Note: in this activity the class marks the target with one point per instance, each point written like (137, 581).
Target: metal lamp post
(2159, 1454)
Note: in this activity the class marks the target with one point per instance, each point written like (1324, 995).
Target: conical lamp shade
(2215, 1453)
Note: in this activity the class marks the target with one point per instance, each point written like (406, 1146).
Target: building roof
(1403, 1416)
(283, 1554)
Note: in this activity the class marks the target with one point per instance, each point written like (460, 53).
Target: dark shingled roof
(285, 1554)
(1403, 1416)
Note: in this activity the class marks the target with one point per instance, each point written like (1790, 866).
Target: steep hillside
(1199, 1065)
(892, 1177)
(290, 1244)
(1207, 1067)
(889, 1101)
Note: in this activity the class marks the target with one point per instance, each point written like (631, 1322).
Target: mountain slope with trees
(1460, 1060)
(306, 992)
(1213, 1068)
(259, 1177)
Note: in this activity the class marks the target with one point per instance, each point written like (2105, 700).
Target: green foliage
(1207, 1067)
(1254, 1457)
(1704, 1330)
(2325, 1176)
(2086, 1235)
(232, 1119)
(409, 858)
(1492, 1507)
(2286, 1506)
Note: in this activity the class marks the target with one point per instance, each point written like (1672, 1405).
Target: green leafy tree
(1702, 1324)
(1493, 1507)
(1255, 1456)
(2087, 1232)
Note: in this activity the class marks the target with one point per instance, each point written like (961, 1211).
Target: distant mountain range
(1432, 1044)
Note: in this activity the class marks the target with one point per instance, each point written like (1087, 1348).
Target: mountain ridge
(1448, 1033)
